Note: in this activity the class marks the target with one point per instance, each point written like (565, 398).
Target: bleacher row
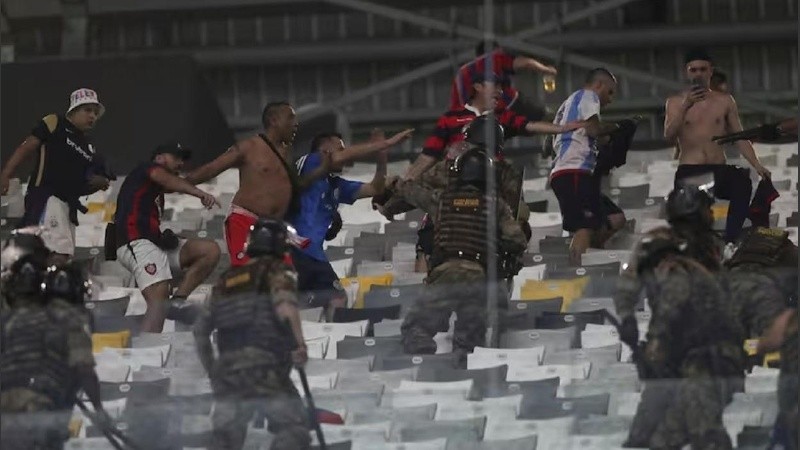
(560, 379)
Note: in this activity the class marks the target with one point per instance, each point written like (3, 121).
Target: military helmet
(690, 203)
(267, 237)
(471, 167)
(23, 261)
(652, 249)
(67, 283)
(479, 132)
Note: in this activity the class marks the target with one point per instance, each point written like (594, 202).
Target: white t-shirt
(575, 150)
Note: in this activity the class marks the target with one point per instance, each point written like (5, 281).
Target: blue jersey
(318, 203)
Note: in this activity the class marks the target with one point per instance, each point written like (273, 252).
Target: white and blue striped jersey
(575, 150)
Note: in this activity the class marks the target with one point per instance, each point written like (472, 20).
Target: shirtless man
(269, 185)
(693, 118)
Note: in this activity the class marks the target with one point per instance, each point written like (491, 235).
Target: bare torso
(264, 185)
(702, 122)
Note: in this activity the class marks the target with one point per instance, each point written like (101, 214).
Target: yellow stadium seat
(120, 339)
(569, 290)
(720, 211)
(364, 284)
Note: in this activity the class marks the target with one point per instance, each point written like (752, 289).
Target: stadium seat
(486, 381)
(119, 339)
(380, 296)
(378, 415)
(568, 290)
(362, 285)
(561, 407)
(599, 271)
(113, 307)
(356, 347)
(599, 357)
(408, 361)
(388, 379)
(373, 315)
(522, 315)
(455, 431)
(386, 328)
(551, 340)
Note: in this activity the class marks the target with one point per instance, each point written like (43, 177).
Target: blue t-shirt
(318, 203)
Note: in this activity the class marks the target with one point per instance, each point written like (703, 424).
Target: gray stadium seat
(602, 356)
(389, 379)
(377, 415)
(489, 381)
(551, 340)
(597, 271)
(113, 307)
(335, 253)
(408, 361)
(456, 431)
(587, 304)
(356, 347)
(382, 296)
(386, 328)
(522, 314)
(325, 366)
(351, 400)
(527, 443)
(561, 407)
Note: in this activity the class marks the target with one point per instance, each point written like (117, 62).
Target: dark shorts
(425, 237)
(726, 177)
(608, 207)
(317, 282)
(580, 200)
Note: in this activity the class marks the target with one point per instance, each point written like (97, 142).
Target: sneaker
(180, 310)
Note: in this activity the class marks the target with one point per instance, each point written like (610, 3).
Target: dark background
(148, 100)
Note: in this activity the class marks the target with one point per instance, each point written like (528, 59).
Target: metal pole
(491, 188)
(517, 44)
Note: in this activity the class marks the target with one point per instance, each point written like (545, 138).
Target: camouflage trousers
(685, 410)
(454, 286)
(30, 421)
(239, 394)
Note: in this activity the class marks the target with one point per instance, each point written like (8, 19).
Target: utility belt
(439, 257)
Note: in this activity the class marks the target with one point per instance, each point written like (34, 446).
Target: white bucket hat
(85, 96)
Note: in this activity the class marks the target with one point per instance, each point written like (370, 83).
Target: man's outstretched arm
(228, 160)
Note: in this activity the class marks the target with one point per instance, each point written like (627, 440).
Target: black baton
(113, 435)
(312, 409)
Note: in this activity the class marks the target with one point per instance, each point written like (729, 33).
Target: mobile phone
(698, 84)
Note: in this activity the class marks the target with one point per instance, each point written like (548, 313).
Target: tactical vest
(35, 354)
(706, 320)
(764, 247)
(462, 225)
(244, 315)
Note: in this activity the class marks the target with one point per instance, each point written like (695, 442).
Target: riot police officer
(692, 356)
(457, 280)
(763, 286)
(46, 354)
(254, 310)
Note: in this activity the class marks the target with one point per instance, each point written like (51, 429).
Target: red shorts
(237, 230)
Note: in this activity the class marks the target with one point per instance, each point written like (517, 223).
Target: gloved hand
(336, 226)
(629, 332)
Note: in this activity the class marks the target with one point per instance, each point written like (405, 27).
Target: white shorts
(148, 263)
(58, 231)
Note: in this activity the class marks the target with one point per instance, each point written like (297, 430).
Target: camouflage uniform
(763, 275)
(42, 348)
(693, 354)
(254, 364)
(457, 281)
(788, 391)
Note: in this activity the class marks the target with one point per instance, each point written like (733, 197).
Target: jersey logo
(240, 255)
(150, 268)
(237, 280)
(466, 202)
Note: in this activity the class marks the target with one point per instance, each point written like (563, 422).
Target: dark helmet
(479, 131)
(690, 203)
(267, 238)
(23, 261)
(67, 283)
(652, 249)
(471, 166)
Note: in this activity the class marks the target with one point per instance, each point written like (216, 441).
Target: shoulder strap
(291, 171)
